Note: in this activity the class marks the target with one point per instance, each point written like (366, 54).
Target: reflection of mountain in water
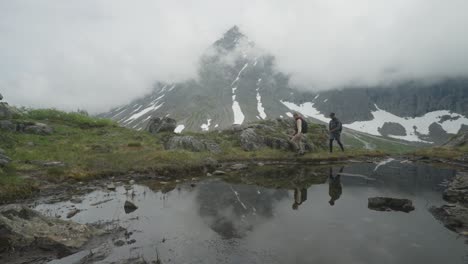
(232, 210)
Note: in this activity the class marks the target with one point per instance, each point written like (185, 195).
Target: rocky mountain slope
(238, 82)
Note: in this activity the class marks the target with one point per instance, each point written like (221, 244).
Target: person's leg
(296, 140)
(331, 145)
(300, 144)
(338, 139)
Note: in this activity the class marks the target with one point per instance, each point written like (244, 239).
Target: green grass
(92, 147)
(442, 152)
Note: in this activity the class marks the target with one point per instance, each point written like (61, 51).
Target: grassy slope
(95, 147)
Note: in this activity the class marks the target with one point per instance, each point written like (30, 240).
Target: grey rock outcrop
(158, 125)
(26, 127)
(457, 191)
(5, 111)
(23, 228)
(459, 140)
(4, 159)
(38, 129)
(191, 143)
(454, 217)
(390, 204)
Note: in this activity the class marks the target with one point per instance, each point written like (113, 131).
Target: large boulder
(158, 125)
(24, 228)
(38, 129)
(7, 125)
(4, 159)
(390, 204)
(5, 111)
(250, 140)
(191, 143)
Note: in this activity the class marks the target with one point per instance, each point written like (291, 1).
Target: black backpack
(305, 126)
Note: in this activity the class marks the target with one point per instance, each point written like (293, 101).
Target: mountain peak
(230, 38)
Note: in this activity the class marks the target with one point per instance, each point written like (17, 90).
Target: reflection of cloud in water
(232, 210)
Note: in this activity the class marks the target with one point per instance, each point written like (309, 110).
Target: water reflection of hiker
(334, 186)
(300, 128)
(300, 196)
(335, 128)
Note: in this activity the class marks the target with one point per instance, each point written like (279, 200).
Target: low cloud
(97, 54)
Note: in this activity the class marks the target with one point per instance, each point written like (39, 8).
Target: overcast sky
(95, 54)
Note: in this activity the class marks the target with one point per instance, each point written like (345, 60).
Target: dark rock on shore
(454, 217)
(457, 190)
(22, 228)
(158, 125)
(390, 204)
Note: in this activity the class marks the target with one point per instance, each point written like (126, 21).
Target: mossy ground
(92, 147)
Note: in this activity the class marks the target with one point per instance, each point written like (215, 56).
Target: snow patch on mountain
(152, 107)
(206, 126)
(450, 122)
(307, 109)
(179, 129)
(260, 108)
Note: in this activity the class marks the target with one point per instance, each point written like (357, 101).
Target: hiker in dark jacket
(335, 127)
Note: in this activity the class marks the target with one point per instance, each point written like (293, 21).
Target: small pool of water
(302, 214)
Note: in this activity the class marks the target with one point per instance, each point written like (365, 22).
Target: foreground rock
(390, 204)
(4, 159)
(457, 191)
(22, 228)
(158, 125)
(275, 134)
(454, 217)
(5, 111)
(25, 127)
(191, 143)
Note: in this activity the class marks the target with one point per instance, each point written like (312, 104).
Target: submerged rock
(389, 204)
(129, 207)
(24, 228)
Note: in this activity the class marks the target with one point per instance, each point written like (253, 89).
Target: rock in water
(158, 125)
(388, 204)
(111, 187)
(24, 228)
(129, 207)
(219, 172)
